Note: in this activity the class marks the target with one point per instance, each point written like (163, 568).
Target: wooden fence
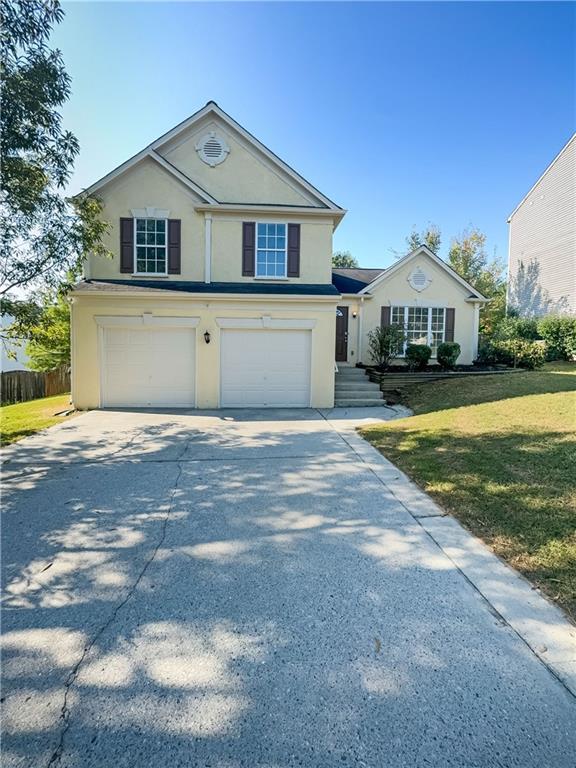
(20, 386)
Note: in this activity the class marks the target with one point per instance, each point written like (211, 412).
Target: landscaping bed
(499, 453)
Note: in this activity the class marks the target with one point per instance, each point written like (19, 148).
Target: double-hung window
(422, 325)
(270, 250)
(150, 246)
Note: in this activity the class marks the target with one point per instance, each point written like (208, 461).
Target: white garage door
(148, 367)
(263, 368)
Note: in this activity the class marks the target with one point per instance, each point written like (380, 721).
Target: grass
(499, 453)
(23, 419)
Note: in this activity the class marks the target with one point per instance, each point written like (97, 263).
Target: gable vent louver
(212, 149)
(419, 280)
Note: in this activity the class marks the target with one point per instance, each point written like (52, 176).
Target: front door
(341, 334)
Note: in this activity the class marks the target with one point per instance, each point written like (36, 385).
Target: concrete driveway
(241, 589)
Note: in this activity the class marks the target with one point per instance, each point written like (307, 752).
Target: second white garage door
(148, 367)
(263, 368)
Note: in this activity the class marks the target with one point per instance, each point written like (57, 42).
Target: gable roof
(353, 279)
(423, 249)
(212, 108)
(558, 156)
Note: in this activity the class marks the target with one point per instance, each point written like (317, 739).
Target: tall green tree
(344, 260)
(468, 257)
(48, 344)
(43, 235)
(429, 236)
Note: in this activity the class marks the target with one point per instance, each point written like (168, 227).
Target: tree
(43, 235)
(430, 236)
(344, 260)
(48, 344)
(468, 257)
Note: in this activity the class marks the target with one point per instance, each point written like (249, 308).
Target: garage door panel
(265, 368)
(148, 367)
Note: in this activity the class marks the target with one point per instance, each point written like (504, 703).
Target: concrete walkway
(260, 589)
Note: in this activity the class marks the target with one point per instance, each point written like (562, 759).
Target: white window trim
(429, 328)
(278, 250)
(150, 212)
(135, 272)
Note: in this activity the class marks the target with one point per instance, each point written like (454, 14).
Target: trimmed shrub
(517, 353)
(447, 354)
(417, 356)
(559, 333)
(517, 328)
(385, 343)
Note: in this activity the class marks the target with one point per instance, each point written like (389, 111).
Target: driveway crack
(70, 680)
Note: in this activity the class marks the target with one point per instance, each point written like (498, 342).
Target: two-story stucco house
(542, 241)
(220, 292)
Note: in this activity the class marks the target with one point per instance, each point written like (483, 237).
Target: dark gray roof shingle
(352, 280)
(184, 286)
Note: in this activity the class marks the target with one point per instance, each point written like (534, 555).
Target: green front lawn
(499, 453)
(23, 419)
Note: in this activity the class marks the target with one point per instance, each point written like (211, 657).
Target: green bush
(559, 333)
(447, 354)
(417, 356)
(517, 353)
(385, 343)
(517, 328)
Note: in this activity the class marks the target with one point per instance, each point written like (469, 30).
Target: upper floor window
(422, 325)
(150, 246)
(271, 250)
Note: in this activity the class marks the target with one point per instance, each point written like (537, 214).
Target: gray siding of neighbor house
(543, 239)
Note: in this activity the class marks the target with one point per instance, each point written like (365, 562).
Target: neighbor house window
(150, 245)
(271, 250)
(422, 325)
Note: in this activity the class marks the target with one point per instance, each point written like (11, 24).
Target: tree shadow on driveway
(185, 590)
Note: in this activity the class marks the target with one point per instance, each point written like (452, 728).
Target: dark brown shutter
(248, 248)
(449, 324)
(174, 246)
(293, 250)
(385, 316)
(127, 245)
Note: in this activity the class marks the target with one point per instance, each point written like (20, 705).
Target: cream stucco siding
(86, 338)
(395, 290)
(149, 185)
(245, 177)
(315, 248)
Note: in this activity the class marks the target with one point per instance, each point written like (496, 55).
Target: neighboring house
(420, 292)
(542, 249)
(220, 291)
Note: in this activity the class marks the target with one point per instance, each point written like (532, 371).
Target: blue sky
(403, 113)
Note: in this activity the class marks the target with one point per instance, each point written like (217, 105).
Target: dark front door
(341, 334)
